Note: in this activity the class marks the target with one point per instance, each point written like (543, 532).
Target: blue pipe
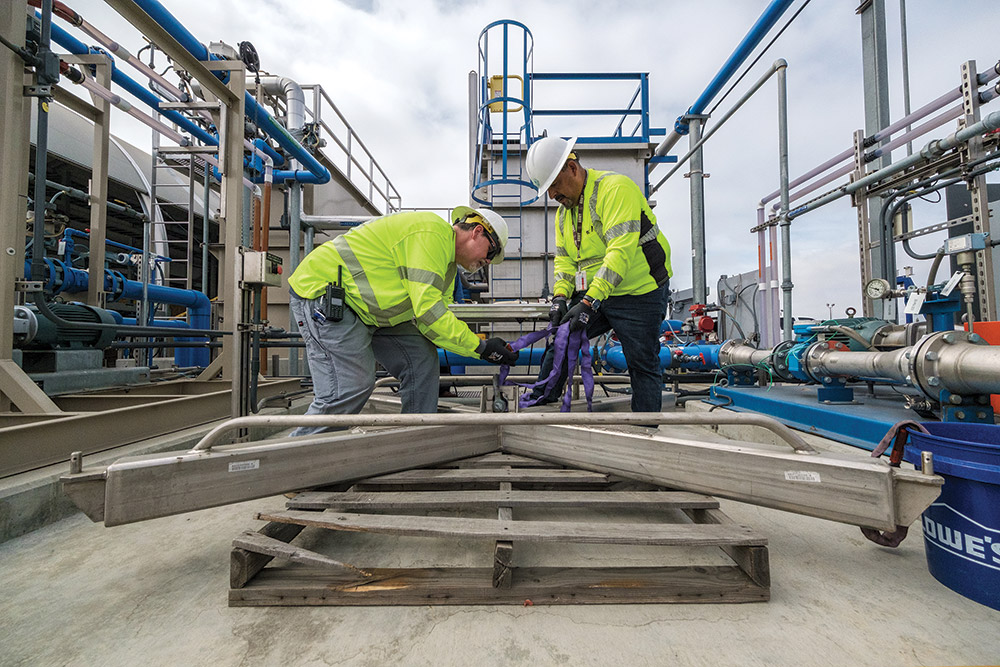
(742, 52)
(673, 326)
(528, 357)
(69, 232)
(73, 45)
(614, 357)
(316, 173)
(118, 287)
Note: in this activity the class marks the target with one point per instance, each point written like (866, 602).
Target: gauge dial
(878, 288)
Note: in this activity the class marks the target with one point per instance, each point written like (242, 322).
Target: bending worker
(612, 264)
(380, 292)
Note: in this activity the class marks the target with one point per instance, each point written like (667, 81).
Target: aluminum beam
(500, 312)
(850, 489)
(147, 487)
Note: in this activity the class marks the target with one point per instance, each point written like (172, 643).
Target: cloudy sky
(399, 71)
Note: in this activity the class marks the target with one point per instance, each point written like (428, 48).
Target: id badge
(581, 280)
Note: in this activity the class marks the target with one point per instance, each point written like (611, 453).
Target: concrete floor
(155, 593)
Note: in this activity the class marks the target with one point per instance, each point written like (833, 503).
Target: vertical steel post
(786, 224)
(206, 217)
(906, 69)
(310, 239)
(99, 188)
(876, 89)
(762, 298)
(986, 268)
(294, 239)
(698, 276)
(772, 245)
(231, 215)
(16, 388)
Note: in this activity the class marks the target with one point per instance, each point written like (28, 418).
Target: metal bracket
(741, 377)
(969, 409)
(38, 91)
(835, 391)
(21, 285)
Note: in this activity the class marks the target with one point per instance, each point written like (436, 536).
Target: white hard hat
(545, 160)
(491, 221)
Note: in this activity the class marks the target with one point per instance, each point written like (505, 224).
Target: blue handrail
(739, 55)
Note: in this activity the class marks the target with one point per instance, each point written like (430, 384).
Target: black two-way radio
(335, 298)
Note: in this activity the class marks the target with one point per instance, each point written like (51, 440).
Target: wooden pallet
(409, 504)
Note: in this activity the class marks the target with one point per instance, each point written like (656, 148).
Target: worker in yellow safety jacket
(612, 264)
(380, 293)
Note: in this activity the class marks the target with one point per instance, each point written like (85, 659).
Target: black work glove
(557, 310)
(496, 351)
(578, 316)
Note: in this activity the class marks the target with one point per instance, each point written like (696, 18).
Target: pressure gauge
(878, 288)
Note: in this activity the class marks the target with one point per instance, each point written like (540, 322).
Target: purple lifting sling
(568, 348)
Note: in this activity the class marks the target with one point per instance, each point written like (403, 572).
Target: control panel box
(261, 269)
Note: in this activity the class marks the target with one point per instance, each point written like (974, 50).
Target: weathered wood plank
(541, 585)
(753, 561)
(464, 475)
(529, 531)
(426, 500)
(500, 460)
(257, 543)
(243, 564)
(503, 550)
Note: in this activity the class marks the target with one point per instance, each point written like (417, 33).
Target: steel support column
(876, 89)
(986, 268)
(16, 388)
(699, 280)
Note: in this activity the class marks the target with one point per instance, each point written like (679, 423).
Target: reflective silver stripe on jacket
(649, 235)
(561, 251)
(607, 274)
(381, 316)
(433, 314)
(622, 229)
(593, 261)
(424, 276)
(594, 217)
(564, 276)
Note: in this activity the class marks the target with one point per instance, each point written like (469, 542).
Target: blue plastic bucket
(962, 527)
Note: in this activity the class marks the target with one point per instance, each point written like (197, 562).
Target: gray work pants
(342, 358)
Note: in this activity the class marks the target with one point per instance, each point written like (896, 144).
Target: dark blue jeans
(636, 321)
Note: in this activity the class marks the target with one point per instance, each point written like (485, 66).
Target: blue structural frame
(861, 423)
(506, 173)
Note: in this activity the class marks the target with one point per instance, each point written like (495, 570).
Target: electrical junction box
(965, 243)
(261, 269)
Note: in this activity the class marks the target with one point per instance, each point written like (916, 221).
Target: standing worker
(380, 292)
(612, 264)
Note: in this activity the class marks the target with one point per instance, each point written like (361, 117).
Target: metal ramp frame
(853, 489)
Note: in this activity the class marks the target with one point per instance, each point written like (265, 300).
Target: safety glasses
(494, 247)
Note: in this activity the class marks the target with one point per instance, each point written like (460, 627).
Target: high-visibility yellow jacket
(396, 269)
(620, 247)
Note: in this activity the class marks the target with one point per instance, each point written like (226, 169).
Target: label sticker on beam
(802, 476)
(243, 466)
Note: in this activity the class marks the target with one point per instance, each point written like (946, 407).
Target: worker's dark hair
(573, 157)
